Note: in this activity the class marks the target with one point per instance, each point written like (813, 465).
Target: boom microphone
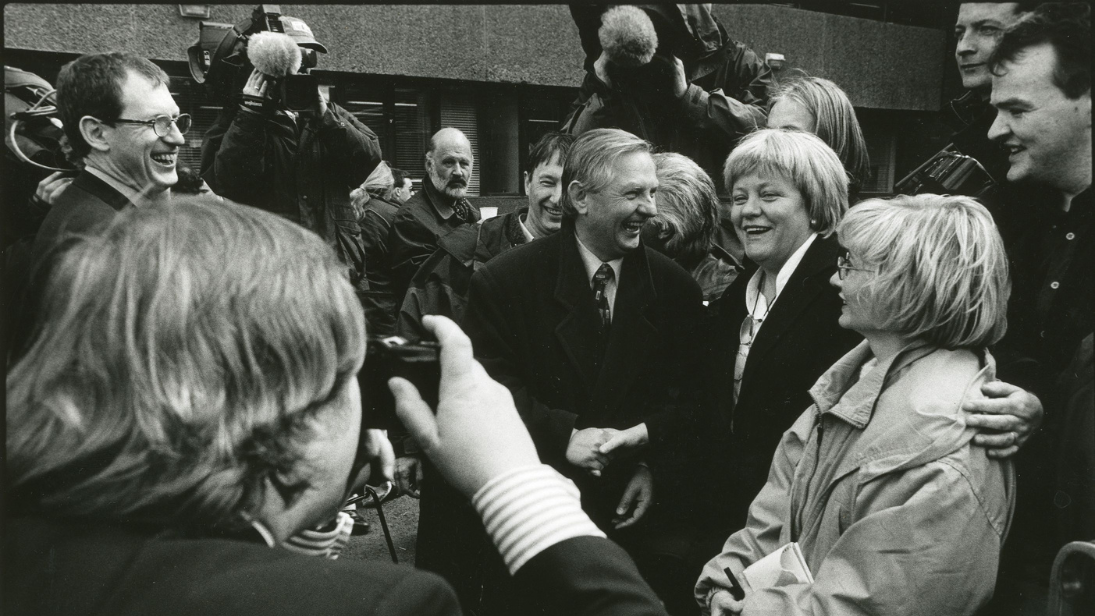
(627, 36)
(274, 54)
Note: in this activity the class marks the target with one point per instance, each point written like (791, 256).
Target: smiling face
(136, 156)
(450, 164)
(1047, 134)
(978, 30)
(610, 221)
(545, 189)
(787, 113)
(769, 214)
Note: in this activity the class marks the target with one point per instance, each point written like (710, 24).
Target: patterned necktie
(464, 210)
(600, 294)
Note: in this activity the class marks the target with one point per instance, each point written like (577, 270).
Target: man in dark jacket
(596, 336)
(299, 165)
(1041, 89)
(437, 209)
(699, 93)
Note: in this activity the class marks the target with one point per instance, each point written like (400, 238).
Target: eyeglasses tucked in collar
(161, 124)
(843, 264)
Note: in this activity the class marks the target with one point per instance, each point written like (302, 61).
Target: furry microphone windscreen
(627, 36)
(274, 54)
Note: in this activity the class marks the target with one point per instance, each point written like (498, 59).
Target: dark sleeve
(676, 423)
(498, 346)
(243, 153)
(410, 244)
(349, 145)
(587, 575)
(738, 105)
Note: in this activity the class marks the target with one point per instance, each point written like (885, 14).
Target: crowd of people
(696, 349)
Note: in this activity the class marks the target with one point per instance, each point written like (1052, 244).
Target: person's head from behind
(977, 31)
(402, 186)
(450, 162)
(784, 187)
(1041, 88)
(609, 182)
(193, 367)
(379, 184)
(544, 183)
(688, 210)
(819, 106)
(926, 267)
(118, 115)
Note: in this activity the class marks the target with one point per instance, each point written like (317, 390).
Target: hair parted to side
(177, 362)
(91, 85)
(379, 184)
(835, 121)
(1064, 25)
(547, 148)
(688, 208)
(802, 159)
(942, 273)
(591, 159)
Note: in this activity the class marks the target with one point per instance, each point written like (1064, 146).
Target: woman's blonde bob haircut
(176, 357)
(802, 159)
(941, 271)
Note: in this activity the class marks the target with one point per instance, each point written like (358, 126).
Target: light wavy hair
(835, 121)
(591, 159)
(177, 358)
(802, 159)
(941, 270)
(688, 208)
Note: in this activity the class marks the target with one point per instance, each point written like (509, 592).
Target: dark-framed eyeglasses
(162, 124)
(843, 264)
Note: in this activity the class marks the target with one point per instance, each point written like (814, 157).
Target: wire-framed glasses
(162, 124)
(843, 264)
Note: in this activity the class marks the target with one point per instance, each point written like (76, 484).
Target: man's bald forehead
(449, 138)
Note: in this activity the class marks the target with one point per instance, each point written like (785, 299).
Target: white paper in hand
(780, 568)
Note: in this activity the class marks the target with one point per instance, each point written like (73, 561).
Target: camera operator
(671, 75)
(300, 164)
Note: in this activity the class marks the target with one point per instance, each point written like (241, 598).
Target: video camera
(219, 58)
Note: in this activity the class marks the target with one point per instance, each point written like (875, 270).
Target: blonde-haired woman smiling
(895, 509)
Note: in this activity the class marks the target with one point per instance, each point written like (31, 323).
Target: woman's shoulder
(939, 382)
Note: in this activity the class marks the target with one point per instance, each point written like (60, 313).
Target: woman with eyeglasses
(878, 481)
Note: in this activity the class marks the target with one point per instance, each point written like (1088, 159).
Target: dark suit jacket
(85, 203)
(76, 569)
(800, 339)
(532, 320)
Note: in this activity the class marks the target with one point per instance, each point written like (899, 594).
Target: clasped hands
(594, 448)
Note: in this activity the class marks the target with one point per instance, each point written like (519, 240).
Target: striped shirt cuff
(529, 509)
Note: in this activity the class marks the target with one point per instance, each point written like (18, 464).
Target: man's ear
(94, 133)
(578, 197)
(429, 161)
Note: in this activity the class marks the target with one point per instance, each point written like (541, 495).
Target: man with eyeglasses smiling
(122, 122)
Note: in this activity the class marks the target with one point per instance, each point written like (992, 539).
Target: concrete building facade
(506, 74)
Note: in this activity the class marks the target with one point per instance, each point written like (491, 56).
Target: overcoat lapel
(579, 331)
(805, 284)
(632, 337)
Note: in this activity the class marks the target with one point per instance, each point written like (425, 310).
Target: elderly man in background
(436, 210)
(596, 336)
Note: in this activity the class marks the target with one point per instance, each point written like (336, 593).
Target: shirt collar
(528, 234)
(591, 261)
(752, 290)
(135, 197)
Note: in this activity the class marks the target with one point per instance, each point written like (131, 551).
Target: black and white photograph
(548, 309)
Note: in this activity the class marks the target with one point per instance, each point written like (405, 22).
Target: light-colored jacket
(894, 508)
